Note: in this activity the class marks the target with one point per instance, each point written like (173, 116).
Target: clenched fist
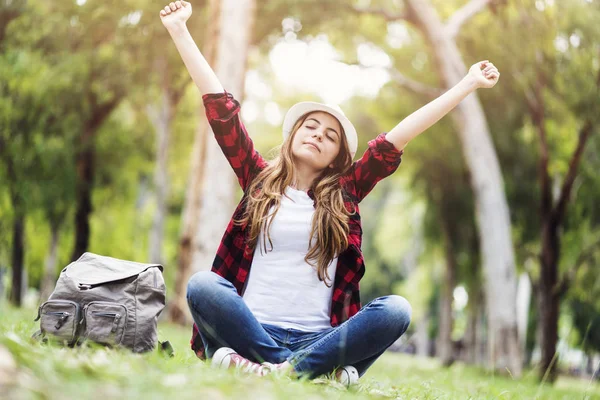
(176, 13)
(485, 73)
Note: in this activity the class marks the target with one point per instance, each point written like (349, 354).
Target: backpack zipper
(39, 314)
(116, 316)
(63, 317)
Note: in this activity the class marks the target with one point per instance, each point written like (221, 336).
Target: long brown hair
(330, 220)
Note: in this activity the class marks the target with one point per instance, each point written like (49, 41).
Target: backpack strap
(166, 348)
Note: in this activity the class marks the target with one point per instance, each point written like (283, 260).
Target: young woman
(283, 293)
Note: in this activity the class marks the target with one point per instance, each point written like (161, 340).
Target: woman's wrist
(470, 82)
(177, 29)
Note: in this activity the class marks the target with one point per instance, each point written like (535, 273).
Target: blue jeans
(224, 320)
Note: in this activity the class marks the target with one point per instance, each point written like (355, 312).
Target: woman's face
(317, 142)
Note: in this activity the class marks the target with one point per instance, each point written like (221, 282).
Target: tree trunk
(85, 168)
(548, 301)
(444, 340)
(219, 188)
(18, 236)
(493, 220)
(83, 193)
(178, 307)
(470, 338)
(421, 336)
(210, 198)
(550, 286)
(444, 343)
(178, 311)
(482, 355)
(523, 303)
(49, 277)
(161, 116)
(475, 308)
(17, 257)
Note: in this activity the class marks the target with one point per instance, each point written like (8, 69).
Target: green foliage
(586, 319)
(65, 60)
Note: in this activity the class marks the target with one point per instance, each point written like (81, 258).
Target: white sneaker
(347, 375)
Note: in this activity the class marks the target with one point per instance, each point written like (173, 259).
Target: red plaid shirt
(234, 258)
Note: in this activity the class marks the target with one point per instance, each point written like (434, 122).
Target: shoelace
(248, 366)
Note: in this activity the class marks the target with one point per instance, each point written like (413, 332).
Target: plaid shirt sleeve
(380, 160)
(222, 112)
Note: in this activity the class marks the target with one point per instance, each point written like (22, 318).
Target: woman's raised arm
(482, 74)
(222, 110)
(174, 17)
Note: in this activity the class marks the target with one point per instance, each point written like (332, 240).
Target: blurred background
(490, 227)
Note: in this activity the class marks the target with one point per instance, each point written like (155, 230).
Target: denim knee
(399, 312)
(201, 283)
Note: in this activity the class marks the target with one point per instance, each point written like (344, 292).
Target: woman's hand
(484, 73)
(175, 14)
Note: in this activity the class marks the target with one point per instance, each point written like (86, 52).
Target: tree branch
(535, 104)
(414, 86)
(464, 14)
(102, 112)
(387, 15)
(565, 192)
(398, 77)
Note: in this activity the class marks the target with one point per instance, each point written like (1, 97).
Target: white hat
(299, 109)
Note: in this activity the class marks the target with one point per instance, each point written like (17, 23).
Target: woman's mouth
(313, 145)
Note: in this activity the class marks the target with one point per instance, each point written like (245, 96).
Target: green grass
(50, 372)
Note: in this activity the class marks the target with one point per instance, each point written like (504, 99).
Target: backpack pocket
(105, 322)
(60, 319)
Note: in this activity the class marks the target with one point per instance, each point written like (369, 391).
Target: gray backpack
(105, 300)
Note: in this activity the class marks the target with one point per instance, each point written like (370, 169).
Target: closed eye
(327, 135)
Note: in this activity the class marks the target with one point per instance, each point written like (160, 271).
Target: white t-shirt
(282, 289)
